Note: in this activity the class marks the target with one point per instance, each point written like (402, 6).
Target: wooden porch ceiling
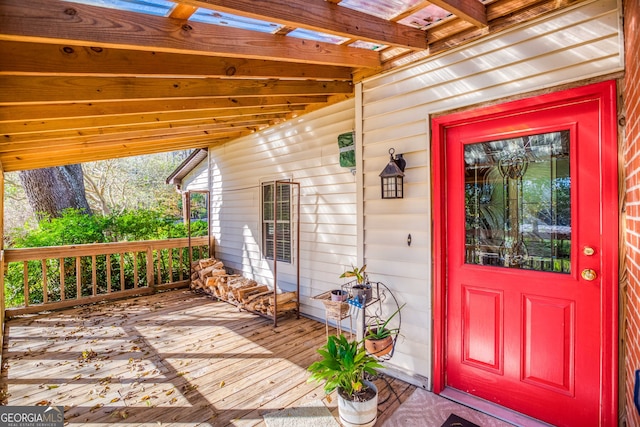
(82, 83)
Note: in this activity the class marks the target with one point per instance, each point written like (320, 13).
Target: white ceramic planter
(358, 414)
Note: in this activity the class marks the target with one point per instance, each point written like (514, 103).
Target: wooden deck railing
(61, 276)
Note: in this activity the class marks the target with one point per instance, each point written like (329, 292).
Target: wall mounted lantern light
(391, 178)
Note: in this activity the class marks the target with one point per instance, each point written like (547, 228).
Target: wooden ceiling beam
(472, 11)
(322, 16)
(51, 89)
(28, 113)
(59, 140)
(17, 161)
(114, 144)
(58, 22)
(68, 60)
(80, 125)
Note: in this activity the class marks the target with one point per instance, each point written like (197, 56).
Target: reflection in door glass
(518, 203)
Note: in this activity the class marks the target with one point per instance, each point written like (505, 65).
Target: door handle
(589, 274)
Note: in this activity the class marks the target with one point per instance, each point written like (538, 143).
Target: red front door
(529, 229)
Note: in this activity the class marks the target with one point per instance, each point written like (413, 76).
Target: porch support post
(359, 177)
(2, 309)
(360, 321)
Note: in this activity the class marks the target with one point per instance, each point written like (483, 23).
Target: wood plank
(31, 309)
(159, 266)
(108, 268)
(30, 254)
(57, 22)
(174, 357)
(19, 113)
(45, 290)
(22, 146)
(53, 89)
(182, 11)
(62, 279)
(324, 17)
(121, 264)
(94, 275)
(112, 150)
(78, 278)
(25, 282)
(69, 59)
(74, 135)
(170, 266)
(75, 126)
(469, 10)
(135, 270)
(149, 263)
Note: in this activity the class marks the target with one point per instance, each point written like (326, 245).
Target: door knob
(588, 274)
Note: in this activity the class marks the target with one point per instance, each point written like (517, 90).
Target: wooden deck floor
(174, 358)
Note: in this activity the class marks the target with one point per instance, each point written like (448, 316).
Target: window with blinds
(282, 207)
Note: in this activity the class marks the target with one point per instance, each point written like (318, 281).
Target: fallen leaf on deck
(189, 387)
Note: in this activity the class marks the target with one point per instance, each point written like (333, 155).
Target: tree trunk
(52, 190)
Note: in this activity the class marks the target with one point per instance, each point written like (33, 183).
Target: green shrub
(75, 227)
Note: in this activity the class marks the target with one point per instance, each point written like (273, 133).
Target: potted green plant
(343, 367)
(361, 288)
(379, 338)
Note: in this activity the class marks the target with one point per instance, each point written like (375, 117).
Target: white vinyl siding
(303, 150)
(577, 44)
(197, 179)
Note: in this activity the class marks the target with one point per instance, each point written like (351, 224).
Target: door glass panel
(518, 203)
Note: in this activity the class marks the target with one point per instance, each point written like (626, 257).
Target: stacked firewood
(203, 270)
(210, 276)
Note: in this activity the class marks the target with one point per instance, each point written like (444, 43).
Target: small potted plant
(379, 338)
(361, 289)
(343, 366)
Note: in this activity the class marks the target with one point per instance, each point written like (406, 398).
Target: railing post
(62, 285)
(25, 280)
(45, 291)
(150, 269)
(78, 278)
